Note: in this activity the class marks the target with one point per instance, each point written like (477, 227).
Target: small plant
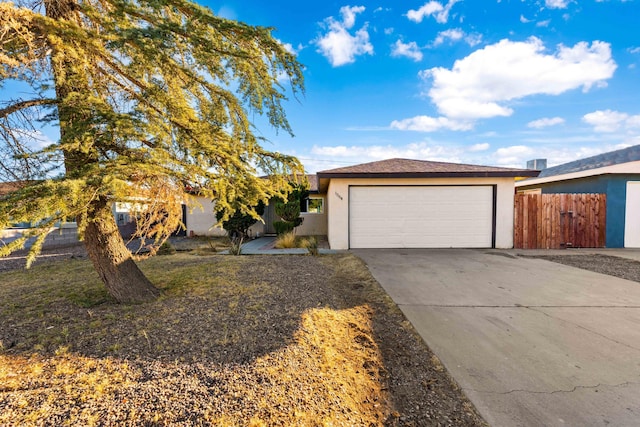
(236, 246)
(166, 249)
(311, 244)
(286, 241)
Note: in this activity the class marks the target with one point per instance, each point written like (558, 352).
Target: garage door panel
(420, 216)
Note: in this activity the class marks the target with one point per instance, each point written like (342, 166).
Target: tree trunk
(112, 260)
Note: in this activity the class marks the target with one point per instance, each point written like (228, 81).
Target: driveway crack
(584, 328)
(578, 387)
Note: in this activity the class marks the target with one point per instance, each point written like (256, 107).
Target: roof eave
(468, 174)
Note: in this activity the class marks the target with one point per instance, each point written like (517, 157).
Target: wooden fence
(553, 221)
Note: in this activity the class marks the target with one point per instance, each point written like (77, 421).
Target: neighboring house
(616, 174)
(60, 234)
(402, 203)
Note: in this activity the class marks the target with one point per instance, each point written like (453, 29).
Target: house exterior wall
(614, 186)
(201, 219)
(337, 204)
(314, 224)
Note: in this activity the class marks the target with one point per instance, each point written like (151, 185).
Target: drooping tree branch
(21, 105)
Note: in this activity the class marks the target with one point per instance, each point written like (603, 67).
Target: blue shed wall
(614, 186)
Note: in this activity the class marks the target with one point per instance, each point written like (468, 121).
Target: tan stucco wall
(337, 204)
(201, 218)
(314, 224)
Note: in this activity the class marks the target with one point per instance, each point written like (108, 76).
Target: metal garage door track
(531, 342)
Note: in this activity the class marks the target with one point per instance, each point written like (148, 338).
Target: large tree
(151, 98)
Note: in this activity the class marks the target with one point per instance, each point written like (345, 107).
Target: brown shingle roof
(313, 183)
(407, 168)
(8, 187)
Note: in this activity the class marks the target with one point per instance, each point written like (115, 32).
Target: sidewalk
(265, 246)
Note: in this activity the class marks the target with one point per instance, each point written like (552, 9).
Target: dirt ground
(235, 352)
(604, 264)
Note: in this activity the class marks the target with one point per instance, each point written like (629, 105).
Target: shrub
(286, 241)
(236, 246)
(289, 209)
(166, 249)
(311, 244)
(283, 227)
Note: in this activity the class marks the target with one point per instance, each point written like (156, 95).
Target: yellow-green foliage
(151, 98)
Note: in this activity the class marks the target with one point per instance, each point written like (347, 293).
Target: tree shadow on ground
(219, 318)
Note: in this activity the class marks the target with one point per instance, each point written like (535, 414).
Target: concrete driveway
(531, 342)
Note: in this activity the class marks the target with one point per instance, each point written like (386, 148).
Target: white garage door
(421, 217)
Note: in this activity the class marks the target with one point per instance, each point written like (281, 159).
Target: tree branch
(4, 112)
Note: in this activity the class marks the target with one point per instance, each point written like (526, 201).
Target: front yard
(251, 340)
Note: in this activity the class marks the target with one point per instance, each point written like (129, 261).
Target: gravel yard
(250, 340)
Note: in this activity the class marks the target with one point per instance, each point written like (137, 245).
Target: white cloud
(453, 34)
(429, 124)
(481, 84)
(545, 122)
(456, 34)
(389, 31)
(289, 47)
(517, 156)
(556, 4)
(338, 45)
(440, 12)
(473, 39)
(409, 50)
(543, 23)
(479, 147)
(634, 49)
(524, 20)
(363, 154)
(611, 121)
(513, 156)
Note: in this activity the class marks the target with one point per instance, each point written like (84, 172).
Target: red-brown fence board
(553, 221)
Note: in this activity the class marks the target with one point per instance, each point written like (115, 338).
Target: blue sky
(482, 82)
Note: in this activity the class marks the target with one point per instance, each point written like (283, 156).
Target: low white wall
(65, 234)
(337, 204)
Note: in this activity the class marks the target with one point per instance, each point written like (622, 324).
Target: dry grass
(247, 341)
(287, 241)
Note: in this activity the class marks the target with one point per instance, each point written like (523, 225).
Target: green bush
(283, 227)
(166, 249)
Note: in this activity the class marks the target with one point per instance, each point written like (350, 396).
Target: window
(312, 205)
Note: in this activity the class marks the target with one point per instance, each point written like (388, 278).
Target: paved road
(531, 342)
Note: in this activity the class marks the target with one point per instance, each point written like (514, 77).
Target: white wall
(337, 204)
(201, 218)
(632, 216)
